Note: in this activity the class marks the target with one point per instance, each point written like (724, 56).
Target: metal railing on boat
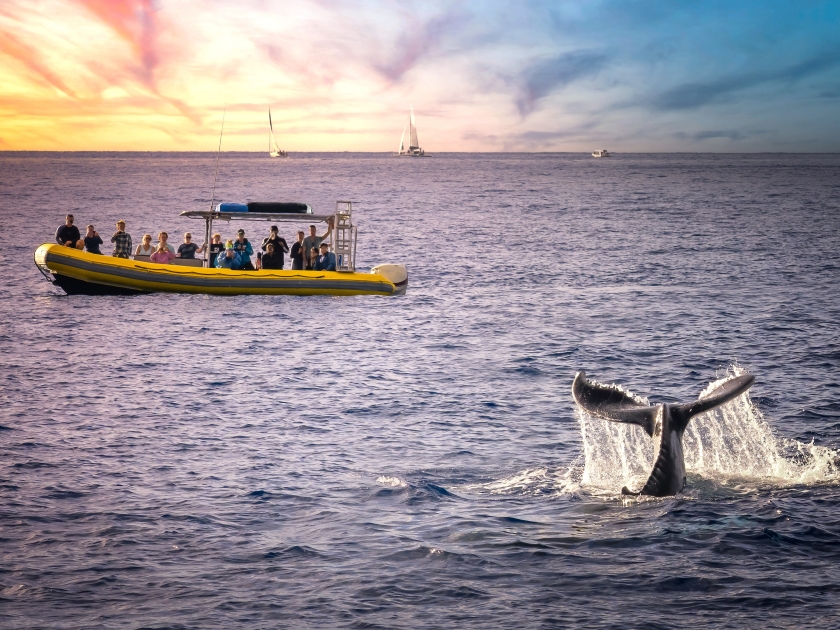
(342, 237)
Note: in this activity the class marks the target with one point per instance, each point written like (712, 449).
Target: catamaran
(273, 150)
(413, 149)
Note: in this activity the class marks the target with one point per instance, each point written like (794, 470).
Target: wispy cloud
(136, 22)
(694, 95)
(710, 134)
(548, 75)
(31, 58)
(417, 40)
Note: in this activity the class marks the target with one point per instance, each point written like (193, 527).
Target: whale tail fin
(610, 403)
(721, 395)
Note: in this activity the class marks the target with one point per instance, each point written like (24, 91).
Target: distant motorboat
(413, 149)
(601, 153)
(273, 150)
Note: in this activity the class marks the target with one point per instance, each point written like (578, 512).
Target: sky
(340, 75)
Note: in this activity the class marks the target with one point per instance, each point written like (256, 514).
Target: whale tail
(610, 403)
(668, 475)
(726, 391)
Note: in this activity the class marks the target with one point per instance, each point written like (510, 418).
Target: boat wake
(730, 450)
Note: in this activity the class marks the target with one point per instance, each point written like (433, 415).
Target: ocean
(180, 461)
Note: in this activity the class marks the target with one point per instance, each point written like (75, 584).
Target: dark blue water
(193, 461)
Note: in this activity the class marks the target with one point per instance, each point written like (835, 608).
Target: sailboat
(413, 149)
(273, 150)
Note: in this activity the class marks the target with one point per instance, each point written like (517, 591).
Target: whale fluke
(610, 403)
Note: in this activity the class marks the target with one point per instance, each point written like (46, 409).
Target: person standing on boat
(187, 249)
(122, 241)
(68, 234)
(313, 241)
(243, 250)
(326, 260)
(92, 241)
(280, 245)
(298, 252)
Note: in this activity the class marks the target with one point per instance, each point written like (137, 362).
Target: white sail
(412, 140)
(413, 149)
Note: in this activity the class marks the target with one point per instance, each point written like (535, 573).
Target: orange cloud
(29, 57)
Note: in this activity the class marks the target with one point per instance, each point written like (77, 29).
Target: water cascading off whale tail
(720, 395)
(611, 403)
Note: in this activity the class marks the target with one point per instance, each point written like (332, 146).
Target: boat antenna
(216, 176)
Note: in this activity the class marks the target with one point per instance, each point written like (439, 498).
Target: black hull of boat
(72, 286)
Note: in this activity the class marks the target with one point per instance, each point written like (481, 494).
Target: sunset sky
(647, 75)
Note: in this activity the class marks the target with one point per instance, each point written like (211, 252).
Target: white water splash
(391, 482)
(534, 481)
(730, 444)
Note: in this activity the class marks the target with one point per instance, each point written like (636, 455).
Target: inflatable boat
(79, 272)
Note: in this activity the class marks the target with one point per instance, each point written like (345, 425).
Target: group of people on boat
(308, 252)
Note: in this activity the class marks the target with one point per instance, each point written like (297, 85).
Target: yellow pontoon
(79, 272)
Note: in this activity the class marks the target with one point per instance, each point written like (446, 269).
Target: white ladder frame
(343, 237)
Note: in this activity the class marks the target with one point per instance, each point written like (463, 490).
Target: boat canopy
(283, 207)
(258, 211)
(273, 207)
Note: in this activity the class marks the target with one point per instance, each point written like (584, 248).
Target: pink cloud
(136, 22)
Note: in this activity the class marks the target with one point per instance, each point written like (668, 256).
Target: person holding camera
(122, 241)
(279, 243)
(92, 241)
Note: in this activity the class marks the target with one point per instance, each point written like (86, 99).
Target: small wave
(534, 481)
(391, 482)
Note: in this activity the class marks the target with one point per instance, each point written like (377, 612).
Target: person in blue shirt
(243, 250)
(228, 259)
(326, 261)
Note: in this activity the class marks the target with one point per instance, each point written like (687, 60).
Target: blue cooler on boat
(229, 206)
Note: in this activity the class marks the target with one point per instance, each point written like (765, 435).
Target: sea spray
(735, 440)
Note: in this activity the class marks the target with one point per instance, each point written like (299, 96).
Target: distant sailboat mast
(273, 149)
